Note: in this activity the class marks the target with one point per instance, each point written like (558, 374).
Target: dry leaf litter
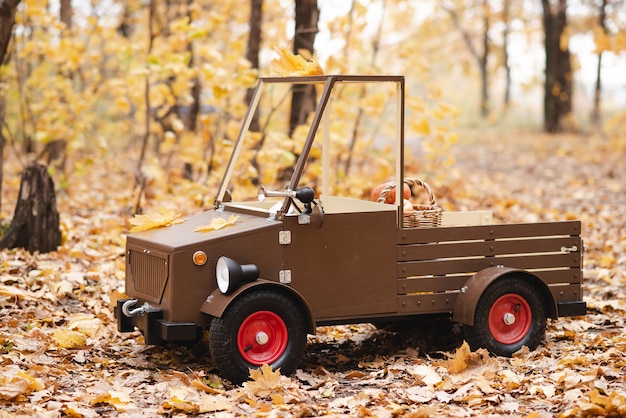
(60, 353)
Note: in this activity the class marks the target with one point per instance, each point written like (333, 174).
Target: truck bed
(435, 263)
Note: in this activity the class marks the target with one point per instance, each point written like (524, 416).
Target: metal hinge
(284, 237)
(284, 276)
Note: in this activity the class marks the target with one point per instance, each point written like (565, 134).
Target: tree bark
(7, 21)
(505, 51)
(597, 96)
(35, 224)
(252, 54)
(303, 99)
(482, 59)
(66, 13)
(558, 82)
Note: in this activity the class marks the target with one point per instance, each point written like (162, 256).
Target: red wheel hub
(510, 318)
(262, 338)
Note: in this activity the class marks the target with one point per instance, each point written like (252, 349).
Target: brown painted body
(348, 261)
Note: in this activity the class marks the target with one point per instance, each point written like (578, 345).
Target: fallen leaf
(287, 64)
(118, 399)
(15, 382)
(200, 385)
(160, 218)
(217, 223)
(265, 382)
(69, 339)
(15, 292)
(210, 403)
(427, 375)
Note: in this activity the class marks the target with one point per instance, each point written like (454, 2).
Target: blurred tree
(506, 22)
(7, 21)
(558, 73)
(254, 45)
(303, 97)
(595, 112)
(480, 56)
(65, 12)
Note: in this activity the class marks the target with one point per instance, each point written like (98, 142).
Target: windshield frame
(321, 114)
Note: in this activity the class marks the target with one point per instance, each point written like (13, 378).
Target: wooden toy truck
(294, 260)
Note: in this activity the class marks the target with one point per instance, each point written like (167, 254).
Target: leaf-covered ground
(60, 353)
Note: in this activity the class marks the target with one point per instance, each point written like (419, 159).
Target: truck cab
(301, 252)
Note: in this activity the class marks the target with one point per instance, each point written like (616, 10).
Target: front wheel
(262, 327)
(510, 314)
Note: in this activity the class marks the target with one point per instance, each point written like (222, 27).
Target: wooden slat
(424, 268)
(567, 293)
(431, 284)
(483, 232)
(427, 303)
(444, 302)
(417, 252)
(453, 283)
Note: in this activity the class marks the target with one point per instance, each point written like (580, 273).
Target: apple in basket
(407, 208)
(390, 197)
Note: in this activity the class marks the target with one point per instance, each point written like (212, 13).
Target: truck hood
(182, 236)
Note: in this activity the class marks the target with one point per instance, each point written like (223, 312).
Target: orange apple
(390, 197)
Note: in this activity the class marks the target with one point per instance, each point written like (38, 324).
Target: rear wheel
(510, 314)
(262, 327)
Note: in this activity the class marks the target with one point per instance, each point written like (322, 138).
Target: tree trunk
(483, 63)
(35, 224)
(254, 45)
(7, 21)
(66, 13)
(481, 59)
(303, 98)
(597, 96)
(558, 82)
(505, 51)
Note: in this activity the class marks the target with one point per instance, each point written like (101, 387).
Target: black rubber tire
(223, 334)
(480, 335)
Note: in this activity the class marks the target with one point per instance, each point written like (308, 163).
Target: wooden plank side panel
(483, 232)
(419, 252)
(471, 265)
(444, 302)
(440, 284)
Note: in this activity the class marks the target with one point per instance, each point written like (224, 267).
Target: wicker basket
(423, 216)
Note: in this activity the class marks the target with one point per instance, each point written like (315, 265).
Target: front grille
(149, 272)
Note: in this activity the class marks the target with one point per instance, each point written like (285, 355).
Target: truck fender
(467, 300)
(217, 302)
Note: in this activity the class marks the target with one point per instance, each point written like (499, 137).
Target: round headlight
(230, 275)
(222, 275)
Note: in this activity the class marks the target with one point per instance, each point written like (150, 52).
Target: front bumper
(155, 330)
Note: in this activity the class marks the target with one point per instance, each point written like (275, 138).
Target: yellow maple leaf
(217, 223)
(464, 358)
(156, 219)
(69, 339)
(288, 64)
(265, 382)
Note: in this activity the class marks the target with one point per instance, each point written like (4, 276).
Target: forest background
(134, 104)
